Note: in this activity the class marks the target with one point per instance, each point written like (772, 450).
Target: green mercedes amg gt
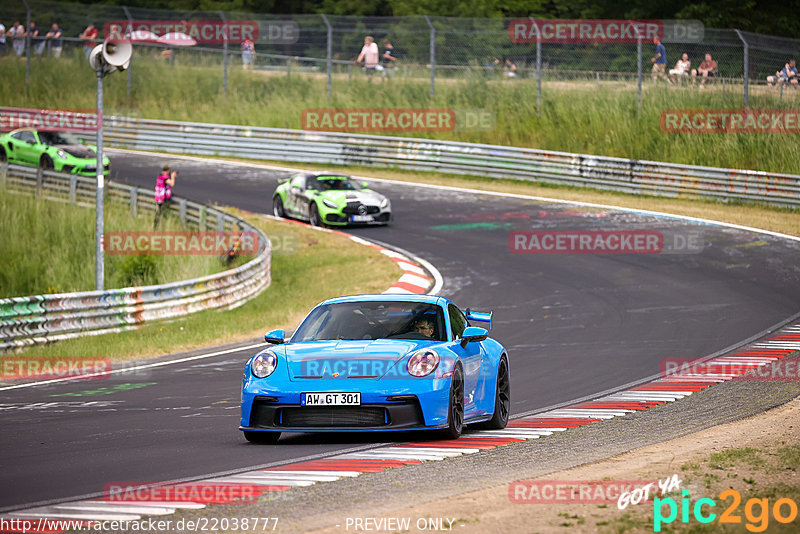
(60, 151)
(329, 199)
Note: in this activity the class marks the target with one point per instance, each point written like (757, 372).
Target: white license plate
(361, 218)
(330, 399)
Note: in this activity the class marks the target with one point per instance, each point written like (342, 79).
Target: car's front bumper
(88, 168)
(408, 405)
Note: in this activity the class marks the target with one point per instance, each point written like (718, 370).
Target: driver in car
(424, 326)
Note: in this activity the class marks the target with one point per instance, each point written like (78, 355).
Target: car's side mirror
(275, 337)
(364, 185)
(472, 334)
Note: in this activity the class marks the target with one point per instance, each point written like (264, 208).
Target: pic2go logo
(756, 511)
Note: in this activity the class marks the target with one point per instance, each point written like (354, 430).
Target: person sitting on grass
(681, 68)
(788, 74)
(707, 69)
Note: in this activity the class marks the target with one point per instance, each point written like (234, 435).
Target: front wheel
(46, 162)
(455, 407)
(313, 215)
(277, 207)
(502, 398)
(265, 438)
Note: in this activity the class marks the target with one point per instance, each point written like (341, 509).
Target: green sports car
(329, 199)
(60, 151)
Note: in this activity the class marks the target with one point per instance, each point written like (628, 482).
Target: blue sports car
(378, 362)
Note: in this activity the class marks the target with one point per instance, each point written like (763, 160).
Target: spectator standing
(707, 69)
(659, 61)
(389, 59)
(163, 193)
(37, 41)
(2, 39)
(17, 34)
(369, 55)
(248, 54)
(56, 40)
(788, 74)
(682, 67)
(88, 36)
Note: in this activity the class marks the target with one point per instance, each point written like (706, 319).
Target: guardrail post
(73, 189)
(202, 217)
(39, 181)
(134, 197)
(182, 211)
(3, 174)
(220, 221)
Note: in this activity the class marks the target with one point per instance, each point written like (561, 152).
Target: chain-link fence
(425, 48)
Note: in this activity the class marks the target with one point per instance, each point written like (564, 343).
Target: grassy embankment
(308, 266)
(576, 116)
(49, 247)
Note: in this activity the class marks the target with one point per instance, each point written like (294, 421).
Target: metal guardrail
(617, 174)
(44, 318)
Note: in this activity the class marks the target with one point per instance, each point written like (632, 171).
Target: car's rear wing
(480, 317)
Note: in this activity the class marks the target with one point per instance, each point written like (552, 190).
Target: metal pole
(99, 263)
(330, 52)
(639, 74)
(225, 53)
(433, 54)
(746, 69)
(130, 31)
(27, 44)
(538, 71)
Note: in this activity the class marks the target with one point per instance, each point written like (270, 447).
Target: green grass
(50, 248)
(310, 267)
(575, 116)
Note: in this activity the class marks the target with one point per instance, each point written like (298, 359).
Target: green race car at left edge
(59, 151)
(329, 199)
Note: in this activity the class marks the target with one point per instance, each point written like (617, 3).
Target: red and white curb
(419, 276)
(415, 279)
(254, 483)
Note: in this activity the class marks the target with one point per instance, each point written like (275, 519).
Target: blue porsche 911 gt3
(375, 363)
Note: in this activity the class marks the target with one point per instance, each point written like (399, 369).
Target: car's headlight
(263, 364)
(423, 363)
(331, 204)
(384, 203)
(61, 153)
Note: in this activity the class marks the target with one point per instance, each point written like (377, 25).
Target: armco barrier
(42, 318)
(618, 174)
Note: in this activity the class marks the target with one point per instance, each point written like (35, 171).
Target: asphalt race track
(575, 324)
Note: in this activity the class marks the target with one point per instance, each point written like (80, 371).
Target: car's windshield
(373, 320)
(331, 183)
(58, 138)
